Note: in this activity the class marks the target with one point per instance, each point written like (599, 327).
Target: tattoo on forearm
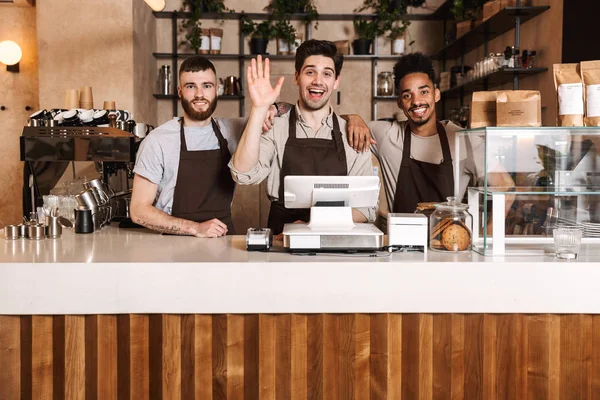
(174, 230)
(283, 108)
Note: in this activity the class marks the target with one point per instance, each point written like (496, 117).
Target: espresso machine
(48, 151)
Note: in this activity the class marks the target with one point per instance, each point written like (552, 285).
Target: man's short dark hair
(411, 63)
(315, 47)
(195, 64)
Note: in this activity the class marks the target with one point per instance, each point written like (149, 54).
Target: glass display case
(524, 182)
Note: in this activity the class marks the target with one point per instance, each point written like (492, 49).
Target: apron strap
(337, 139)
(182, 145)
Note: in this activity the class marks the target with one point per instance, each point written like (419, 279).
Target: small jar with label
(450, 227)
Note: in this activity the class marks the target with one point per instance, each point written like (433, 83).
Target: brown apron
(420, 181)
(204, 186)
(306, 157)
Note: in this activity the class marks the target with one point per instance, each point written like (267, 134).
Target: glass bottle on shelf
(385, 84)
(164, 80)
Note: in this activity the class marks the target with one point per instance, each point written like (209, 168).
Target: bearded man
(182, 183)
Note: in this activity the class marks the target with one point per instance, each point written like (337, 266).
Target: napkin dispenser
(406, 229)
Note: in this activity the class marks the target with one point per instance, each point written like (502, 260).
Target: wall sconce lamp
(156, 5)
(10, 54)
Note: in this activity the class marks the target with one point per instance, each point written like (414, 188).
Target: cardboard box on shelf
(464, 27)
(491, 8)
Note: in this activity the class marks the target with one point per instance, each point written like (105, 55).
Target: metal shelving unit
(504, 21)
(494, 79)
(174, 16)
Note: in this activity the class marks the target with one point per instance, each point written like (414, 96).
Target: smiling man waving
(307, 140)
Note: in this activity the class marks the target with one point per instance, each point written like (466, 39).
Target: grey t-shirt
(390, 140)
(158, 156)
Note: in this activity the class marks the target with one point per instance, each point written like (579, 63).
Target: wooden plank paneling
(25, 356)
(41, 358)
(425, 356)
(410, 355)
(139, 356)
(442, 356)
(235, 357)
(188, 356)
(346, 356)
(101, 356)
(379, 356)
(58, 351)
(394, 382)
(171, 375)
(330, 356)
(155, 354)
(267, 357)
(283, 356)
(219, 357)
(347, 349)
(314, 373)
(251, 360)
(74, 357)
(458, 357)
(595, 356)
(474, 356)
(575, 355)
(10, 372)
(538, 358)
(299, 357)
(362, 338)
(494, 344)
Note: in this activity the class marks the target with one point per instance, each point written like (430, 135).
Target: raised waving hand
(262, 93)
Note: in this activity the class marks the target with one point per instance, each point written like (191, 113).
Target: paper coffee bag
(567, 80)
(519, 108)
(483, 109)
(590, 72)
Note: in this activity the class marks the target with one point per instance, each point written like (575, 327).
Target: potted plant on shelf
(283, 10)
(196, 37)
(387, 13)
(397, 35)
(260, 34)
(466, 12)
(366, 31)
(285, 34)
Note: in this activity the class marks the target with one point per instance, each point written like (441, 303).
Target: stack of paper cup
(71, 99)
(109, 105)
(86, 100)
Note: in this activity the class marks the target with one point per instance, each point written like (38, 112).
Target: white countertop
(137, 271)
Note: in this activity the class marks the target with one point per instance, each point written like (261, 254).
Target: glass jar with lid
(450, 227)
(385, 84)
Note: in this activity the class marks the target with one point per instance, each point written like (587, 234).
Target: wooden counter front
(128, 314)
(299, 356)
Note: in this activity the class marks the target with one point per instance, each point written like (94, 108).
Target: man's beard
(198, 115)
(417, 122)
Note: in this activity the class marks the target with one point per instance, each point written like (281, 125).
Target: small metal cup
(11, 232)
(53, 227)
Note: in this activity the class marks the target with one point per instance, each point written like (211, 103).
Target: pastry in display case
(553, 176)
